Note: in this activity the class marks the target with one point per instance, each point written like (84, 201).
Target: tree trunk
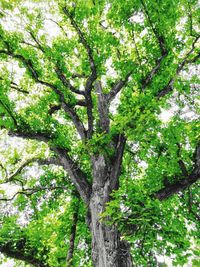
(108, 250)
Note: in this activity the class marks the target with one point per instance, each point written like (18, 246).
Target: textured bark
(108, 250)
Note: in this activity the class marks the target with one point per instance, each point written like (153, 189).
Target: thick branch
(78, 177)
(75, 119)
(117, 161)
(177, 187)
(103, 108)
(181, 185)
(19, 251)
(44, 137)
(117, 87)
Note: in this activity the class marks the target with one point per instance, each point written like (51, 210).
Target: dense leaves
(86, 79)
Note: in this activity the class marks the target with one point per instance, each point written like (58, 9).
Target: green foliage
(147, 38)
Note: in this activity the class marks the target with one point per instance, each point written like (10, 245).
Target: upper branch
(15, 86)
(67, 108)
(163, 49)
(169, 87)
(158, 36)
(66, 82)
(117, 87)
(93, 76)
(58, 71)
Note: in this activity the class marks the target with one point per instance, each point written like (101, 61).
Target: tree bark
(108, 250)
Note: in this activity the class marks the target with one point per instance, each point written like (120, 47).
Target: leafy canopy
(145, 55)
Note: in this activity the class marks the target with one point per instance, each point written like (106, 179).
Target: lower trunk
(108, 250)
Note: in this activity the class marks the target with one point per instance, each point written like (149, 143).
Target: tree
(92, 94)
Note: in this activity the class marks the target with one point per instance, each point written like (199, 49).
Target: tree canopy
(85, 88)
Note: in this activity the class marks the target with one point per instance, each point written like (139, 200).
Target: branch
(181, 185)
(40, 161)
(58, 71)
(75, 207)
(158, 36)
(117, 87)
(44, 137)
(69, 110)
(10, 113)
(146, 81)
(15, 86)
(66, 82)
(169, 87)
(36, 41)
(190, 17)
(75, 119)
(78, 75)
(60, 26)
(117, 161)
(19, 250)
(93, 75)
(78, 177)
(103, 108)
(30, 191)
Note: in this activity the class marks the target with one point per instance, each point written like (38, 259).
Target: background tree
(83, 86)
